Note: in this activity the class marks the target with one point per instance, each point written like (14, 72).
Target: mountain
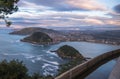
(39, 38)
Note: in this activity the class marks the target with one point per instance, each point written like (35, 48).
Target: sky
(66, 13)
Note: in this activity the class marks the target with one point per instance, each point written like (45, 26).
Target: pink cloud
(86, 4)
(93, 21)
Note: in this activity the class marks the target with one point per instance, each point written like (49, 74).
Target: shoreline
(57, 42)
(50, 43)
(102, 43)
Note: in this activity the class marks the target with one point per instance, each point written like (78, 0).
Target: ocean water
(38, 58)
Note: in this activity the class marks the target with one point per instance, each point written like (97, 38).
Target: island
(57, 36)
(73, 56)
(38, 38)
(69, 52)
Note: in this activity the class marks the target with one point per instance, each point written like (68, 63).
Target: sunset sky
(66, 13)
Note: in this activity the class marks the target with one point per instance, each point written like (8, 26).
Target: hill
(38, 38)
(69, 52)
(57, 36)
(30, 30)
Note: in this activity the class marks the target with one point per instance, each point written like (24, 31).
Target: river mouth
(39, 59)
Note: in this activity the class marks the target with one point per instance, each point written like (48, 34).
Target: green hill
(39, 38)
(69, 52)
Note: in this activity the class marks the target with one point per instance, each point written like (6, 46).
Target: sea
(39, 59)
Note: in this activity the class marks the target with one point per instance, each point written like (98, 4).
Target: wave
(51, 62)
(33, 61)
(28, 56)
(9, 54)
(49, 69)
(52, 53)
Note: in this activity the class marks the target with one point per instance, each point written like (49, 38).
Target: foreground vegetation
(17, 70)
(8, 7)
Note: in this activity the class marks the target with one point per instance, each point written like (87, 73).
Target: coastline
(96, 42)
(57, 42)
(102, 43)
(32, 42)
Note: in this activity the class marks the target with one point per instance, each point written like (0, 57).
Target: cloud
(117, 8)
(31, 6)
(113, 22)
(57, 20)
(93, 21)
(66, 5)
(54, 19)
(62, 13)
(61, 19)
(86, 4)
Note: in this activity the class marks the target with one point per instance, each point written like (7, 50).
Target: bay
(39, 59)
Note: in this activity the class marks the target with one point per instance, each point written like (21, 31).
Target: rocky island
(70, 53)
(38, 38)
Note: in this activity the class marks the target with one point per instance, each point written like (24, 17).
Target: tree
(7, 7)
(13, 70)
